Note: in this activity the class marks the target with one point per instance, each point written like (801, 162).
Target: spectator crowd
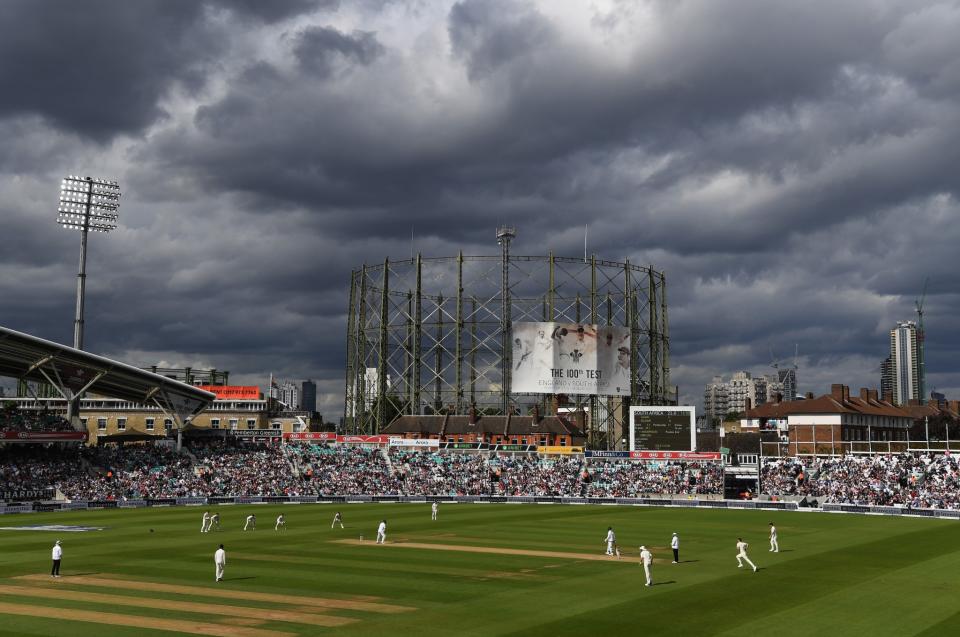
(222, 468)
(13, 419)
(917, 480)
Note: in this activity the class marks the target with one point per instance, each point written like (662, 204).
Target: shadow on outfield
(688, 561)
(81, 574)
(663, 583)
(238, 579)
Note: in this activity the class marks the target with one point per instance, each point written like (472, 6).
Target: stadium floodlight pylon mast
(429, 335)
(87, 205)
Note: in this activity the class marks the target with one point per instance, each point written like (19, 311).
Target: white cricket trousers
(646, 571)
(381, 537)
(774, 546)
(219, 570)
(742, 557)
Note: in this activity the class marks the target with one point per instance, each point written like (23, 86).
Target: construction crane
(920, 339)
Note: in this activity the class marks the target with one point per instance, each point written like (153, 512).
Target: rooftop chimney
(864, 394)
(536, 414)
(836, 392)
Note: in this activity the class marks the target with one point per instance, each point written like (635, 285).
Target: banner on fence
(43, 436)
(606, 454)
(553, 449)
(323, 436)
(414, 442)
(359, 440)
(18, 495)
(674, 455)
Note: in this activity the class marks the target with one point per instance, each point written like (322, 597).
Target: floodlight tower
(87, 205)
(505, 234)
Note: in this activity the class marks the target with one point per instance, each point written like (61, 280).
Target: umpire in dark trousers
(57, 554)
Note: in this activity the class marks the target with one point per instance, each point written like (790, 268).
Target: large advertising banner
(233, 392)
(570, 358)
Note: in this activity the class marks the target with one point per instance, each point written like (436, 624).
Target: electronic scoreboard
(663, 429)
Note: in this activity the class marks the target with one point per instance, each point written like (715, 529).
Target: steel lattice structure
(431, 335)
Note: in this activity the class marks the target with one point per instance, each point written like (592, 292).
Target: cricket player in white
(281, 523)
(774, 546)
(251, 524)
(646, 559)
(433, 510)
(220, 562)
(205, 523)
(214, 522)
(382, 532)
(742, 555)
(611, 540)
(337, 520)
(675, 545)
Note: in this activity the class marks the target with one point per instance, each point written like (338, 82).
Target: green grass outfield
(878, 575)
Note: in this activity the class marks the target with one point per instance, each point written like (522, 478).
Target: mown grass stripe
(153, 623)
(178, 605)
(115, 581)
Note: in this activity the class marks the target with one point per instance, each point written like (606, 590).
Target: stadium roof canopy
(74, 372)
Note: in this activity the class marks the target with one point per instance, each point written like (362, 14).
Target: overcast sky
(793, 168)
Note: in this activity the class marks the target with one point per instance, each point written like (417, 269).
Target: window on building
(167, 424)
(149, 424)
(276, 425)
(121, 424)
(251, 423)
(83, 421)
(214, 423)
(234, 424)
(101, 424)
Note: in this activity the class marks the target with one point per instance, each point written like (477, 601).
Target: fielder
(220, 563)
(742, 555)
(205, 523)
(774, 546)
(675, 545)
(646, 559)
(281, 523)
(433, 511)
(214, 522)
(382, 532)
(337, 520)
(251, 524)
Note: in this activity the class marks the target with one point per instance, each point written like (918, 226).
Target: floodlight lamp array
(88, 204)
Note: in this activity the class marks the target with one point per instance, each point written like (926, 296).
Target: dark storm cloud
(99, 67)
(274, 11)
(488, 34)
(321, 50)
(790, 166)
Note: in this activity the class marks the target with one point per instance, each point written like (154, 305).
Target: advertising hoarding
(43, 436)
(414, 442)
(233, 392)
(321, 436)
(570, 358)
